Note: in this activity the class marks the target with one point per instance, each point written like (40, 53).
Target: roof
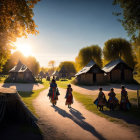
(19, 68)
(110, 66)
(56, 73)
(41, 73)
(86, 68)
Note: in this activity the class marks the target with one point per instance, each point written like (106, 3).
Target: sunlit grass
(87, 101)
(2, 79)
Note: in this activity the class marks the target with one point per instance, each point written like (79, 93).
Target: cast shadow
(20, 86)
(125, 116)
(77, 118)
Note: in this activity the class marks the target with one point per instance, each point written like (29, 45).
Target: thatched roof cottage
(90, 74)
(21, 73)
(118, 71)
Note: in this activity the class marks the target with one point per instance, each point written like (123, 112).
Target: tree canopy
(16, 20)
(118, 48)
(69, 66)
(131, 16)
(86, 54)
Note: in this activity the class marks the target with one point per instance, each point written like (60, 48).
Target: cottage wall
(128, 75)
(85, 78)
(20, 76)
(116, 75)
(100, 78)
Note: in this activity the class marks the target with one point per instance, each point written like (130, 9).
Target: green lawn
(28, 97)
(116, 116)
(2, 79)
(63, 84)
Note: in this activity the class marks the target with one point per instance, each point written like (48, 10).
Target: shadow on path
(126, 116)
(79, 120)
(20, 86)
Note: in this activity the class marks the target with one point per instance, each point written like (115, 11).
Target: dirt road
(76, 123)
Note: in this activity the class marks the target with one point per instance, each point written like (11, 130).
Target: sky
(66, 26)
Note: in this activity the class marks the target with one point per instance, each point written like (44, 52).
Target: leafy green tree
(69, 66)
(129, 16)
(86, 54)
(118, 48)
(16, 20)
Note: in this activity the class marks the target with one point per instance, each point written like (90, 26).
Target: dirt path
(93, 90)
(77, 123)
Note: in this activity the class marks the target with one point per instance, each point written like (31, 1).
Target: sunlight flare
(24, 48)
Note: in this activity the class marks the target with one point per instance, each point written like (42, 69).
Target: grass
(28, 97)
(2, 79)
(116, 116)
(63, 84)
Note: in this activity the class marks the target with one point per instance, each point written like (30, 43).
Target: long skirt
(69, 100)
(53, 100)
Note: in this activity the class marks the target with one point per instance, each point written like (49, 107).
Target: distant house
(90, 74)
(46, 74)
(118, 71)
(41, 74)
(55, 73)
(21, 73)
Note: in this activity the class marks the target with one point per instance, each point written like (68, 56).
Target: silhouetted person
(53, 92)
(124, 103)
(112, 101)
(101, 100)
(69, 96)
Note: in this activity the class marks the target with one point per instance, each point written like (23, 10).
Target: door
(94, 77)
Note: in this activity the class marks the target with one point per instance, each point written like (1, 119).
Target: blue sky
(66, 26)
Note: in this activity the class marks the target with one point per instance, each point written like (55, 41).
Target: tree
(86, 54)
(118, 48)
(16, 20)
(69, 66)
(33, 65)
(131, 16)
(51, 64)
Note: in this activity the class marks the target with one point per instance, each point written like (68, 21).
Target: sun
(24, 48)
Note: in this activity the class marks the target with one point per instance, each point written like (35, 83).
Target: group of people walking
(112, 102)
(101, 100)
(54, 93)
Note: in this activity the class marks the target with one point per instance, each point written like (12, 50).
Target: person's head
(53, 81)
(112, 89)
(69, 86)
(100, 89)
(122, 87)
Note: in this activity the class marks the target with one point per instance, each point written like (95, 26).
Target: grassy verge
(2, 79)
(28, 97)
(87, 101)
(116, 116)
(63, 84)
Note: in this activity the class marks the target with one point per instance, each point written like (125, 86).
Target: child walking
(101, 99)
(69, 96)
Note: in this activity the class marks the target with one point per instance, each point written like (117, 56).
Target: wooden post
(138, 98)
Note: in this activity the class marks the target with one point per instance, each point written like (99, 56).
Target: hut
(55, 73)
(20, 73)
(46, 74)
(90, 74)
(118, 71)
(42, 74)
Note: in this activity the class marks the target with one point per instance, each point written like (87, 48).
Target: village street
(93, 90)
(76, 123)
